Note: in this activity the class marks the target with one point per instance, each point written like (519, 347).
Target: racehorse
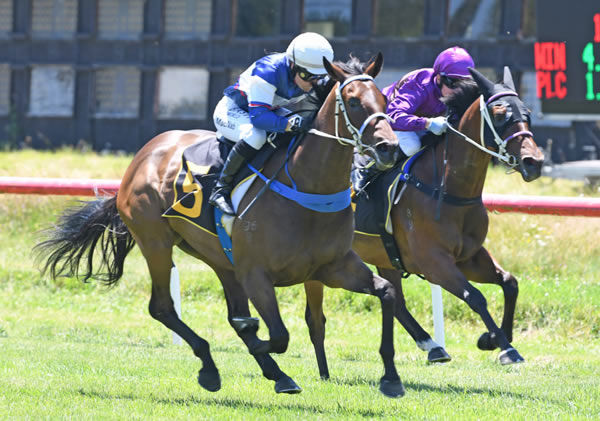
(443, 239)
(278, 243)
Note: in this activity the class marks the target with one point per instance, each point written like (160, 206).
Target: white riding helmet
(308, 49)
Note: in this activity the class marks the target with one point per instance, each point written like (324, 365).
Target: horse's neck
(322, 165)
(467, 166)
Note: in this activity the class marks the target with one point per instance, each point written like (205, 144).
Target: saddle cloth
(201, 164)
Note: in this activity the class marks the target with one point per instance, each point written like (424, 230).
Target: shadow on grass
(422, 387)
(234, 403)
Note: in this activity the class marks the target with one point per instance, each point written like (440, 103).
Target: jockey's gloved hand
(298, 124)
(437, 125)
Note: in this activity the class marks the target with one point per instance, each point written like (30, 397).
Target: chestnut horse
(443, 241)
(278, 243)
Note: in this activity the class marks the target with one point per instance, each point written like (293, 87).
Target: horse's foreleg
(352, 274)
(161, 308)
(435, 352)
(237, 307)
(446, 274)
(261, 292)
(315, 319)
(483, 268)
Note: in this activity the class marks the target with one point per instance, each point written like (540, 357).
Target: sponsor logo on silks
(222, 123)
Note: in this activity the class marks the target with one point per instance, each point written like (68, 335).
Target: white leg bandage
(428, 345)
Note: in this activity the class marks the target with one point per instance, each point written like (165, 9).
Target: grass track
(76, 350)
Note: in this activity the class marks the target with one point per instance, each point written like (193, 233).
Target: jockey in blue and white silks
(253, 105)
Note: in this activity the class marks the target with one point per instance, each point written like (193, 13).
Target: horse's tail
(74, 238)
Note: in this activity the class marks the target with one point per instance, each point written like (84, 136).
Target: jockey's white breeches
(234, 123)
(409, 142)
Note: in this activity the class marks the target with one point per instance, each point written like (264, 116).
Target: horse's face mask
(362, 109)
(508, 111)
(511, 120)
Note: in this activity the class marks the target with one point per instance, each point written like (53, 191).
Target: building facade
(114, 73)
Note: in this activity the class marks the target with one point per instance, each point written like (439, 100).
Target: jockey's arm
(260, 107)
(262, 117)
(403, 107)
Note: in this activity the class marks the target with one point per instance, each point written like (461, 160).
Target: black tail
(76, 236)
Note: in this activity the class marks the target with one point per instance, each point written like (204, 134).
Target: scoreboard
(567, 58)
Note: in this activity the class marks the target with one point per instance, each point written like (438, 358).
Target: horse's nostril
(531, 163)
(531, 168)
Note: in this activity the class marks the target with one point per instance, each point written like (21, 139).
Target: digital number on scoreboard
(567, 56)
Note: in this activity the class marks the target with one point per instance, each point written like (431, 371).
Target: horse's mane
(353, 66)
(461, 99)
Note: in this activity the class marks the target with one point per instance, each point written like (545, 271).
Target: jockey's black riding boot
(362, 176)
(238, 156)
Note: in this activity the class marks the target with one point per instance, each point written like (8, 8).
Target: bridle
(356, 141)
(502, 154)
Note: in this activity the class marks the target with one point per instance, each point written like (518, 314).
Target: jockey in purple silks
(415, 107)
(254, 105)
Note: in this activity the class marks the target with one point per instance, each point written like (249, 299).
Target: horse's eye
(499, 118)
(500, 114)
(354, 102)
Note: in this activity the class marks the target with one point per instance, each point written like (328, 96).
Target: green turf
(73, 350)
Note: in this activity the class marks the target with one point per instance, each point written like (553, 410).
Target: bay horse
(278, 243)
(443, 241)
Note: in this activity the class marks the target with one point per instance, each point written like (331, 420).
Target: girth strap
(389, 243)
(435, 192)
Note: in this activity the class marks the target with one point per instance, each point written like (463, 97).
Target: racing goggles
(306, 76)
(450, 82)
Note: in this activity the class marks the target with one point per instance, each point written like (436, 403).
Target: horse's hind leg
(446, 274)
(157, 250)
(483, 268)
(237, 306)
(435, 352)
(315, 319)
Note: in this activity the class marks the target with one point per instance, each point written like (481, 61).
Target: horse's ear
(485, 85)
(374, 68)
(508, 80)
(334, 71)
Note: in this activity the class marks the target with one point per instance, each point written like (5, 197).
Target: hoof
(485, 342)
(325, 376)
(287, 385)
(510, 356)
(438, 355)
(391, 389)
(209, 379)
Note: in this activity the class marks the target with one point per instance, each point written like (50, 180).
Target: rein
(320, 202)
(356, 141)
(502, 154)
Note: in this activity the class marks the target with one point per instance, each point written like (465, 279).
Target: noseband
(357, 134)
(502, 154)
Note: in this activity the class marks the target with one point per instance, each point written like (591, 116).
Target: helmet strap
(294, 67)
